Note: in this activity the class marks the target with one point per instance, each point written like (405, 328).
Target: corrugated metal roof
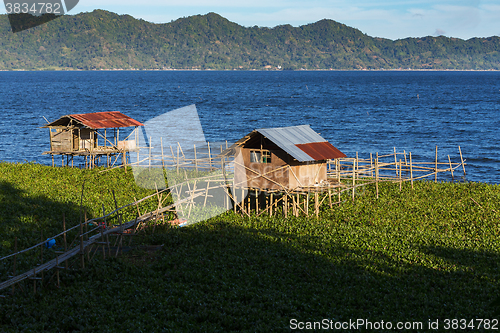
(287, 138)
(110, 119)
(321, 150)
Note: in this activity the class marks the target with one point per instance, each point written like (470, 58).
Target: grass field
(431, 253)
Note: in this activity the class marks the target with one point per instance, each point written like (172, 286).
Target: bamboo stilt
(451, 168)
(256, 201)
(400, 175)
(436, 166)
(411, 172)
(376, 175)
(395, 161)
(462, 159)
(354, 178)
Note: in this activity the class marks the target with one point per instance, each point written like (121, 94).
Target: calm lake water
(363, 112)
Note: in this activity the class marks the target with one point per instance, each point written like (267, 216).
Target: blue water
(363, 112)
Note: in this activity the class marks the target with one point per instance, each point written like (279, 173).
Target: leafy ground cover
(431, 253)
(34, 197)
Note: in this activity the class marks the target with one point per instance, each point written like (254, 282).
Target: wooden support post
(256, 202)
(295, 203)
(330, 197)
(411, 172)
(400, 175)
(150, 151)
(371, 164)
(242, 202)
(396, 161)
(195, 160)
(354, 178)
(307, 204)
(270, 201)
(210, 156)
(436, 166)
(316, 204)
(376, 175)
(285, 205)
(162, 159)
(451, 168)
(177, 160)
(462, 159)
(248, 202)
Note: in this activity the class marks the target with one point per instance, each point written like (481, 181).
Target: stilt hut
(292, 158)
(91, 135)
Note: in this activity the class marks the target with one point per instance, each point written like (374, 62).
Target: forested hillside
(104, 40)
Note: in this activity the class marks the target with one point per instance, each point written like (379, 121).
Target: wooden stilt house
(282, 158)
(91, 135)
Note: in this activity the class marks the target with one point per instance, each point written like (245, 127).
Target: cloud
(439, 32)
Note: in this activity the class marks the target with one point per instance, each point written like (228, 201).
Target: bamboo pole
(436, 166)
(395, 161)
(195, 160)
(316, 204)
(285, 205)
(462, 159)
(451, 168)
(209, 156)
(243, 199)
(400, 175)
(353, 178)
(376, 176)
(162, 155)
(270, 201)
(307, 204)
(256, 202)
(411, 172)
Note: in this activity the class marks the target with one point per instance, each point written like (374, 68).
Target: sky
(382, 18)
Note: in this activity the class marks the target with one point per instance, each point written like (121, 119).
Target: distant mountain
(104, 40)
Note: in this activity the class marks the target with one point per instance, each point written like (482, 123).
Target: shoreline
(244, 70)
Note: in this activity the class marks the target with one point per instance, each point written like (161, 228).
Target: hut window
(257, 156)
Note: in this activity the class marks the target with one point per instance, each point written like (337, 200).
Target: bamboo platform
(215, 191)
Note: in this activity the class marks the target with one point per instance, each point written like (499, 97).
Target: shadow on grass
(26, 217)
(219, 277)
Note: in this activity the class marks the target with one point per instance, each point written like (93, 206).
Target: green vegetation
(428, 253)
(104, 40)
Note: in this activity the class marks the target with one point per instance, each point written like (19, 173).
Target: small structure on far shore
(78, 135)
(293, 157)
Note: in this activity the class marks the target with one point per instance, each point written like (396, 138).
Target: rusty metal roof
(321, 150)
(312, 146)
(110, 119)
(97, 120)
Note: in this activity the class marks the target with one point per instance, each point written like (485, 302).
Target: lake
(357, 111)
